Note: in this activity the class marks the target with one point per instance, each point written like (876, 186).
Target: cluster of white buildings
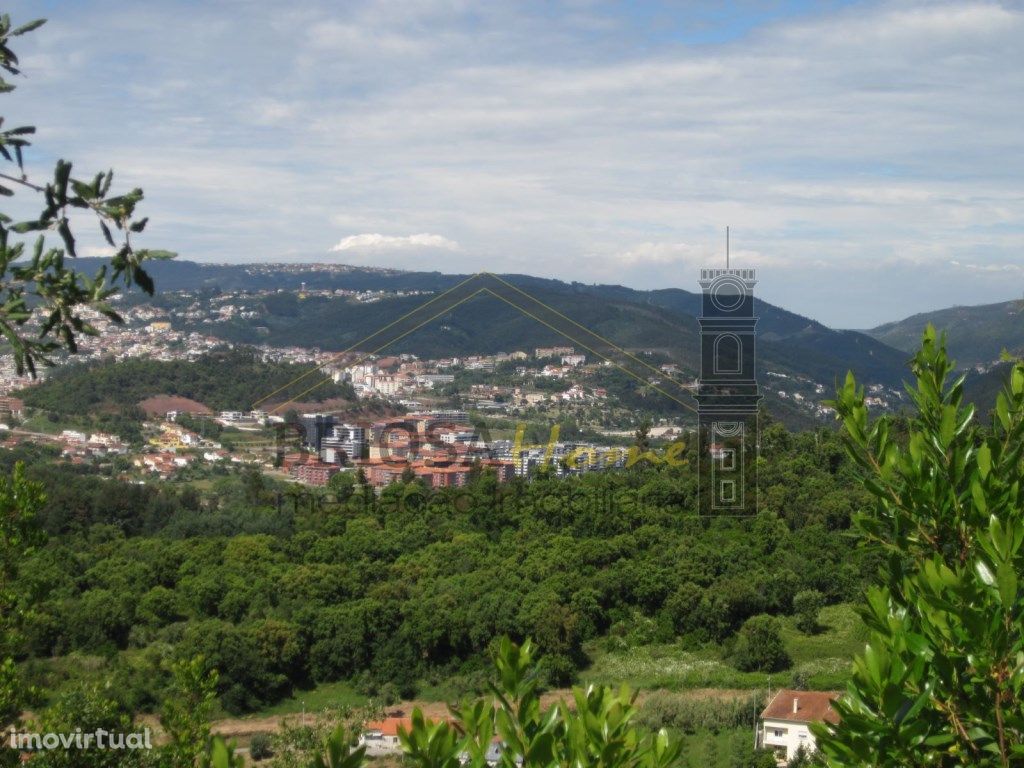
(80, 446)
(563, 458)
(405, 375)
(239, 418)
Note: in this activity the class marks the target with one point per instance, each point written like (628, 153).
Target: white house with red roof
(380, 737)
(785, 723)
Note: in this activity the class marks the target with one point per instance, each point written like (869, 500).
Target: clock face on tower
(727, 293)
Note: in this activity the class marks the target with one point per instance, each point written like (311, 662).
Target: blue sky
(868, 156)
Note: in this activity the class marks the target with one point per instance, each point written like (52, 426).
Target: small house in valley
(381, 737)
(785, 723)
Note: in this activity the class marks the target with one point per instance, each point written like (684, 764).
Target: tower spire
(727, 247)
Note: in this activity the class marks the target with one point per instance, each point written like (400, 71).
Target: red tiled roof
(389, 726)
(802, 706)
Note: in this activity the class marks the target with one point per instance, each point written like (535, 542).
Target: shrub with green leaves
(261, 746)
(758, 646)
(186, 713)
(806, 605)
(597, 729)
(941, 680)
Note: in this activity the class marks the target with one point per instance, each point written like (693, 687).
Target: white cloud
(693, 257)
(880, 138)
(378, 242)
(1011, 268)
(96, 251)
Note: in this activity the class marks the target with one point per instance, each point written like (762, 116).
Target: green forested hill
(228, 380)
(976, 334)
(483, 325)
(663, 319)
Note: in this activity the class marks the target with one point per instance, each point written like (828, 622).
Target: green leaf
(106, 233)
(984, 461)
(978, 495)
(144, 281)
(985, 573)
(35, 24)
(1001, 538)
(1006, 578)
(1003, 410)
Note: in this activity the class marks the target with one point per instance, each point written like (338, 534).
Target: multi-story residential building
(380, 473)
(388, 385)
(543, 352)
(447, 417)
(562, 458)
(431, 380)
(316, 473)
(346, 441)
(316, 427)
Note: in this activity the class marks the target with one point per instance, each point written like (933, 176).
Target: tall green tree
(941, 680)
(807, 605)
(186, 713)
(36, 281)
(90, 709)
(42, 299)
(759, 646)
(20, 501)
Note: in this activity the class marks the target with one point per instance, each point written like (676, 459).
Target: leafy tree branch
(41, 297)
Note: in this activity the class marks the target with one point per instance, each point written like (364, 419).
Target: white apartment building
(349, 439)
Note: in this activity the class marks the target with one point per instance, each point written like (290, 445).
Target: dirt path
(243, 728)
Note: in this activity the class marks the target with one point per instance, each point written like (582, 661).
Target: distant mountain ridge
(662, 320)
(977, 335)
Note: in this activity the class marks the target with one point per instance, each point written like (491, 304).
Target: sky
(867, 156)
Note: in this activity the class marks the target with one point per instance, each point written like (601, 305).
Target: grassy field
(716, 750)
(820, 661)
(325, 696)
(39, 422)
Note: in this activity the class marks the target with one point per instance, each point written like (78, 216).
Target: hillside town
(445, 402)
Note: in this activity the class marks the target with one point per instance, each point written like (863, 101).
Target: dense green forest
(279, 590)
(221, 380)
